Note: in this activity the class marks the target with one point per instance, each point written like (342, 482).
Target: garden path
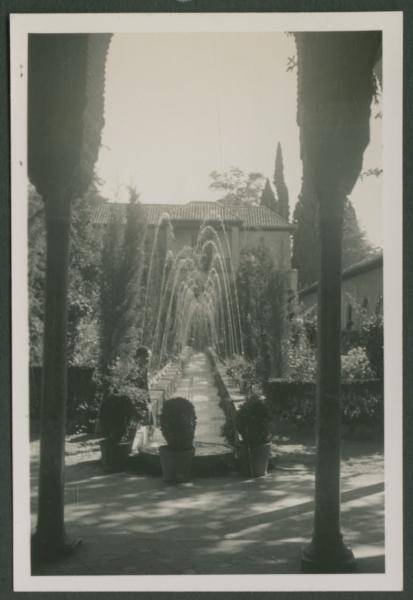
(198, 385)
(136, 524)
(132, 523)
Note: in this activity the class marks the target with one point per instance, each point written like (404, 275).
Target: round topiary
(178, 422)
(253, 421)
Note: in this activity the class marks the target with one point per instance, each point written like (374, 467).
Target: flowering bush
(235, 366)
(366, 408)
(356, 365)
(372, 337)
(301, 359)
(244, 373)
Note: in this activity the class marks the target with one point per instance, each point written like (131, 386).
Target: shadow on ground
(136, 524)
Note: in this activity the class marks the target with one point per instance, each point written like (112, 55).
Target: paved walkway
(133, 524)
(197, 384)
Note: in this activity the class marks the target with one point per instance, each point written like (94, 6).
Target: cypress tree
(110, 289)
(280, 185)
(306, 240)
(355, 245)
(131, 270)
(121, 283)
(268, 198)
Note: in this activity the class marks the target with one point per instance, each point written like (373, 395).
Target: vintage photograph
(207, 267)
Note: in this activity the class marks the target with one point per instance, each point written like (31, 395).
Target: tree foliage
(280, 185)
(121, 282)
(36, 274)
(85, 246)
(239, 188)
(268, 198)
(261, 294)
(355, 245)
(84, 275)
(373, 341)
(306, 242)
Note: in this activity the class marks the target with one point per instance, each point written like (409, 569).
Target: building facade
(237, 227)
(361, 292)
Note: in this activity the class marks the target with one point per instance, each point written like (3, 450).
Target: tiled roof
(259, 217)
(248, 217)
(367, 264)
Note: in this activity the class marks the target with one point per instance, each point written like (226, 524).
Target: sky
(180, 105)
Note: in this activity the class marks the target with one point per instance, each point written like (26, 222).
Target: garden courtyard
(185, 356)
(133, 523)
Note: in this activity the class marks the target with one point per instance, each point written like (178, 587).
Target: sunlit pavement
(134, 524)
(197, 384)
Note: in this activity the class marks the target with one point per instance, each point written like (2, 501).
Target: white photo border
(391, 24)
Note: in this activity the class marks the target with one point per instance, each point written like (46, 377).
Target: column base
(327, 557)
(46, 550)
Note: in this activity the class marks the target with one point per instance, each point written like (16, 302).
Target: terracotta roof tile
(248, 217)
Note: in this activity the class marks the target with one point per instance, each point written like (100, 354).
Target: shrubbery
(178, 423)
(261, 294)
(294, 404)
(301, 359)
(244, 374)
(123, 404)
(372, 337)
(366, 408)
(84, 417)
(362, 354)
(355, 365)
(253, 422)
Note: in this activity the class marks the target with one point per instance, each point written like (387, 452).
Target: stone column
(65, 106)
(335, 89)
(327, 552)
(50, 538)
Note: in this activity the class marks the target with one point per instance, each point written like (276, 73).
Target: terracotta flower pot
(176, 464)
(254, 461)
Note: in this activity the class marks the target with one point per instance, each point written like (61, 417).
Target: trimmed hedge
(293, 407)
(82, 405)
(81, 390)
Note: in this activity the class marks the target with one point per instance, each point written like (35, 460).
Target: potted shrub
(124, 407)
(178, 422)
(116, 417)
(253, 422)
(122, 410)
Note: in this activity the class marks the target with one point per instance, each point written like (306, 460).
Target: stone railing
(292, 404)
(164, 383)
(162, 386)
(230, 395)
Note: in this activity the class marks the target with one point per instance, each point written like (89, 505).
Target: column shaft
(50, 535)
(326, 553)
